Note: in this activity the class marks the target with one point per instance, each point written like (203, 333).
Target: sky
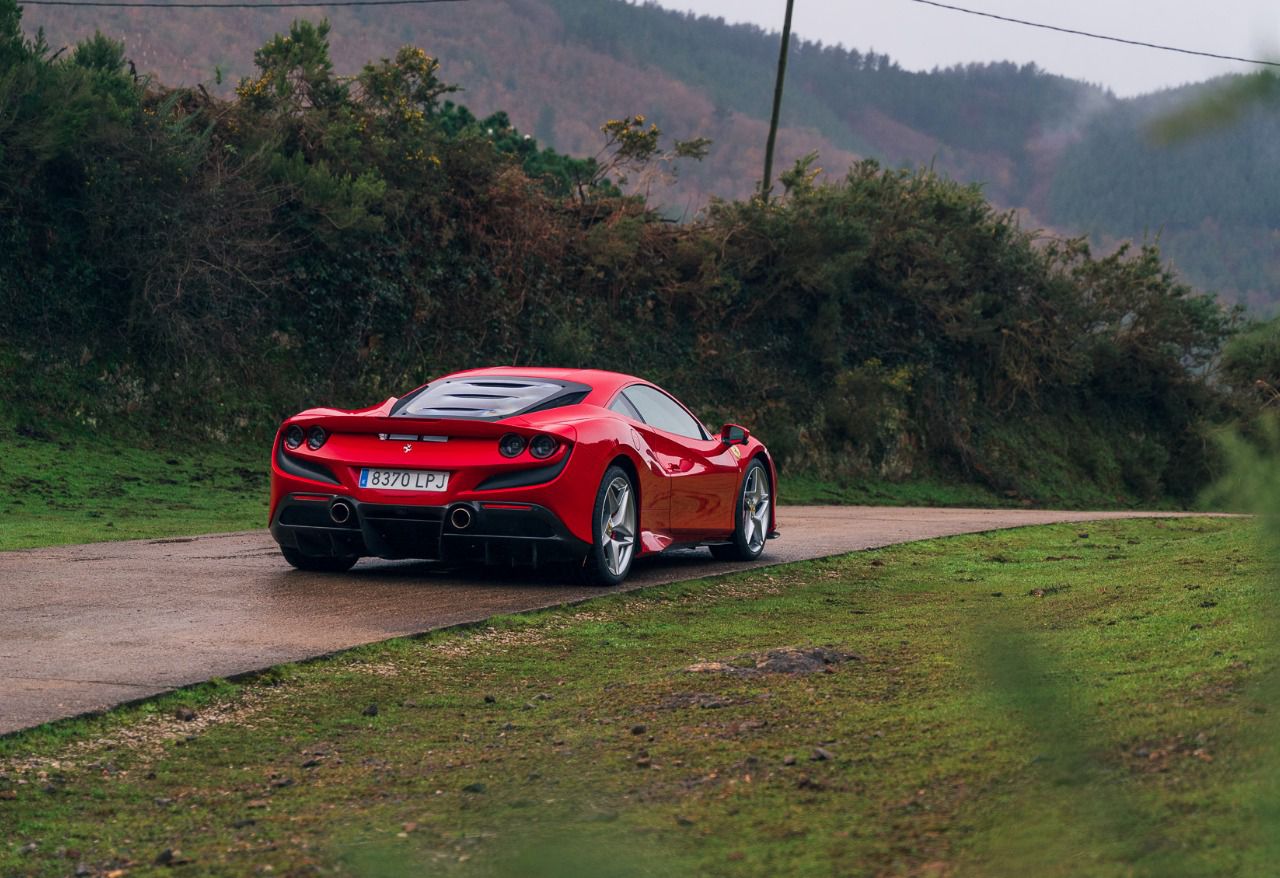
(921, 37)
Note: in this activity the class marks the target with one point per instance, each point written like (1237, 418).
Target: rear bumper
(489, 532)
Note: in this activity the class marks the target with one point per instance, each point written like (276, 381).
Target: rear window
(489, 398)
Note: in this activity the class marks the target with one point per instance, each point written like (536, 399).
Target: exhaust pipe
(460, 518)
(340, 511)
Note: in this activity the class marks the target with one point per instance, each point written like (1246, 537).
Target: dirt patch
(147, 738)
(495, 638)
(786, 660)
(1161, 756)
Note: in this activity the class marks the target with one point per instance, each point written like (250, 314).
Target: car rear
(449, 475)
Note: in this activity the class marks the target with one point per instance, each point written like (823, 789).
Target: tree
(295, 72)
(633, 146)
(14, 46)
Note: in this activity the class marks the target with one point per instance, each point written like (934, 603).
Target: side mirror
(732, 434)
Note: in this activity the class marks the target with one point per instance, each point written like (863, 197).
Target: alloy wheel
(618, 526)
(755, 509)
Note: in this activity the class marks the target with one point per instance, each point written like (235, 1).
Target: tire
(615, 530)
(751, 520)
(318, 563)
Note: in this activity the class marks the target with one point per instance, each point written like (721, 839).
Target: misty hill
(1070, 154)
(1212, 199)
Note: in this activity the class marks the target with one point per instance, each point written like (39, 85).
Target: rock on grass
(785, 660)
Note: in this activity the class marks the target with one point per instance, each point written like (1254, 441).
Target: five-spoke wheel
(614, 530)
(751, 526)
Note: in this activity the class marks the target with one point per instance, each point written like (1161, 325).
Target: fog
(922, 37)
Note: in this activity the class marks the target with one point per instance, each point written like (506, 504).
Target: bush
(164, 252)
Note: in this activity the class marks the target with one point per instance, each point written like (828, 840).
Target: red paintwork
(688, 488)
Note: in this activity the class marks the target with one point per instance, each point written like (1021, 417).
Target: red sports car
(520, 466)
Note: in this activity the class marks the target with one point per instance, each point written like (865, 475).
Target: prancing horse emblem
(408, 448)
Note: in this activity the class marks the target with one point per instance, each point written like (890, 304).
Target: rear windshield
(489, 398)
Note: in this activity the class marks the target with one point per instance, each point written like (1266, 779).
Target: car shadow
(669, 566)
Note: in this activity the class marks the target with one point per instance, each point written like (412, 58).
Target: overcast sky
(921, 37)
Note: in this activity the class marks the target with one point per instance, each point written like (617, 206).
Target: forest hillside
(1070, 156)
(174, 262)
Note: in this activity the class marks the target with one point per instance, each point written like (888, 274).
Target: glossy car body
(497, 508)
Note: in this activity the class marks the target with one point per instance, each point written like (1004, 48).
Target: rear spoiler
(423, 429)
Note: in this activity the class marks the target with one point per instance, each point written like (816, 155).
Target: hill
(1213, 199)
(1070, 155)
(517, 56)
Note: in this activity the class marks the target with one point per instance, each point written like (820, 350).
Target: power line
(1084, 33)
(285, 5)
(291, 4)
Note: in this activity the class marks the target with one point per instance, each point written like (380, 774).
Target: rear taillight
(543, 446)
(294, 436)
(511, 445)
(316, 437)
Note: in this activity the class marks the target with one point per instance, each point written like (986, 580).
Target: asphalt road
(84, 628)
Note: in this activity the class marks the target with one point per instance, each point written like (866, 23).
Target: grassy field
(82, 488)
(1070, 700)
(811, 490)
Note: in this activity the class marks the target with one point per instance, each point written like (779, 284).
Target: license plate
(404, 479)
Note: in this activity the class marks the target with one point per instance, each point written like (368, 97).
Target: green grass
(1069, 700)
(78, 488)
(804, 489)
(56, 490)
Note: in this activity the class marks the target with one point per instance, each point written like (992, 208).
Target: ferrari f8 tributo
(519, 466)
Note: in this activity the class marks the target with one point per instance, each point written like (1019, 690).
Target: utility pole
(767, 184)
